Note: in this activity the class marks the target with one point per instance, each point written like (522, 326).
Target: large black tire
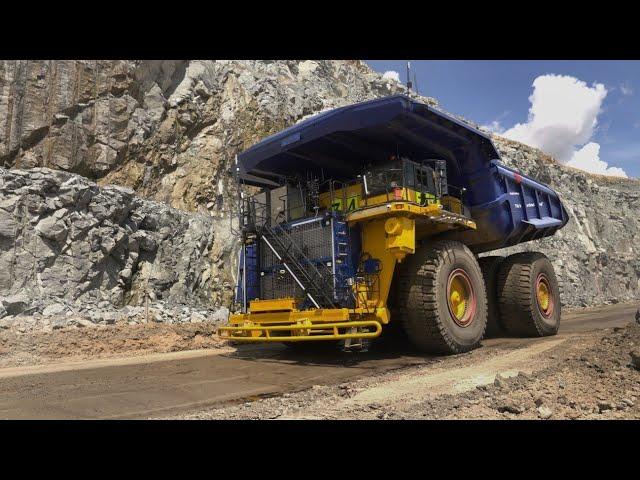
(521, 313)
(423, 305)
(490, 267)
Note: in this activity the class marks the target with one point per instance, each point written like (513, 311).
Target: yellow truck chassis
(390, 231)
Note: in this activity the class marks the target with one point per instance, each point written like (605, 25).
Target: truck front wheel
(443, 302)
(528, 295)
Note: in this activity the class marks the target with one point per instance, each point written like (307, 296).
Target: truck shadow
(332, 355)
(383, 351)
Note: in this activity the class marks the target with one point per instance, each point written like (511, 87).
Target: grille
(275, 284)
(315, 240)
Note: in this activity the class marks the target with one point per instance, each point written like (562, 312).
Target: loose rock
(544, 412)
(53, 309)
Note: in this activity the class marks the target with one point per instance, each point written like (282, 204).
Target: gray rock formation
(69, 115)
(63, 236)
(169, 130)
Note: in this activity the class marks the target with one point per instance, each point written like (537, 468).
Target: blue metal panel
(519, 209)
(290, 139)
(342, 258)
(248, 275)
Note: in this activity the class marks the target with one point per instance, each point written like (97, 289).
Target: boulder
(99, 250)
(15, 304)
(604, 405)
(52, 228)
(510, 407)
(54, 309)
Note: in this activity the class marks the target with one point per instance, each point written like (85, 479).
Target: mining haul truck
(371, 217)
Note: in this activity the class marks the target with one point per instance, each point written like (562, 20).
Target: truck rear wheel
(529, 295)
(490, 267)
(443, 303)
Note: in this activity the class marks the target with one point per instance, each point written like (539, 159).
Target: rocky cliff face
(169, 130)
(63, 236)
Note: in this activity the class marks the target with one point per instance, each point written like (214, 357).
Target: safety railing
(303, 331)
(408, 181)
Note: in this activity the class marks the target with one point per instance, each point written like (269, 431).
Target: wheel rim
(544, 297)
(461, 298)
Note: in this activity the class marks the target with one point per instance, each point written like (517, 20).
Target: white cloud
(588, 158)
(562, 119)
(391, 75)
(563, 114)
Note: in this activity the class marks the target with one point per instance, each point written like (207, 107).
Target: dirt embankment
(72, 343)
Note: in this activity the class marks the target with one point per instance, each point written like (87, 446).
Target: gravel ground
(594, 378)
(579, 375)
(583, 376)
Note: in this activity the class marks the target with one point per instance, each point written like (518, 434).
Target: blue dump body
(508, 208)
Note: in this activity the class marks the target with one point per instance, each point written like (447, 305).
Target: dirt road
(219, 383)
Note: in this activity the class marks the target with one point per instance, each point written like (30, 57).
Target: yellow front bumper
(299, 326)
(301, 332)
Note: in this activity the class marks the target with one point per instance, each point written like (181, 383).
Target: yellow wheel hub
(544, 296)
(460, 298)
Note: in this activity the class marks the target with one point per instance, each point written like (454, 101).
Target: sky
(584, 113)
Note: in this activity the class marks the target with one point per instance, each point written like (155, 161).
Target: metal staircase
(317, 285)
